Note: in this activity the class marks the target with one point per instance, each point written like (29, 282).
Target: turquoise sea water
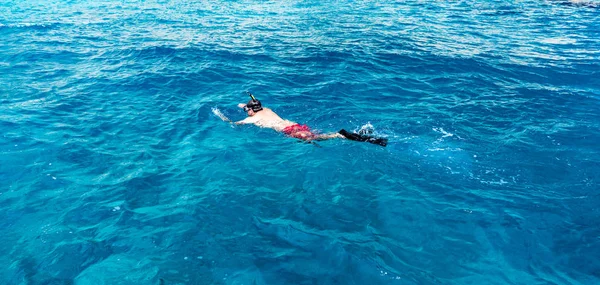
(114, 170)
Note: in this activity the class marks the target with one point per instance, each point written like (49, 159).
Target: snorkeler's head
(253, 104)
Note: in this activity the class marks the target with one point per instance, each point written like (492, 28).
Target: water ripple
(111, 160)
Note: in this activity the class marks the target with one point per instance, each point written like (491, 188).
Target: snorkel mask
(253, 104)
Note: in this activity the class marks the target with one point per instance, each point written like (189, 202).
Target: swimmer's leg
(323, 137)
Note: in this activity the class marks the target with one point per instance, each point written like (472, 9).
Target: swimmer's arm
(248, 120)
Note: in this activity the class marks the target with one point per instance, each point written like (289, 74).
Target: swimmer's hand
(241, 105)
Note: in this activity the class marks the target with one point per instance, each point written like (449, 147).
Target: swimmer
(266, 118)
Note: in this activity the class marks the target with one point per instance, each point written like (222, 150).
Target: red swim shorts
(298, 131)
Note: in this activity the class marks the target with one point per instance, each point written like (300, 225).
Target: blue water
(114, 170)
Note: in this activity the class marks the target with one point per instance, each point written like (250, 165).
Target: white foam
(219, 114)
(444, 149)
(442, 131)
(559, 41)
(367, 126)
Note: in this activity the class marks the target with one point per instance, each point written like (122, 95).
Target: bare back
(267, 119)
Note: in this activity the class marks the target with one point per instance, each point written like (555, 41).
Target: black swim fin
(363, 138)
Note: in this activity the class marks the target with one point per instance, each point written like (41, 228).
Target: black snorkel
(253, 104)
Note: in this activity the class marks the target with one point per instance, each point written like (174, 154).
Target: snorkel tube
(251, 96)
